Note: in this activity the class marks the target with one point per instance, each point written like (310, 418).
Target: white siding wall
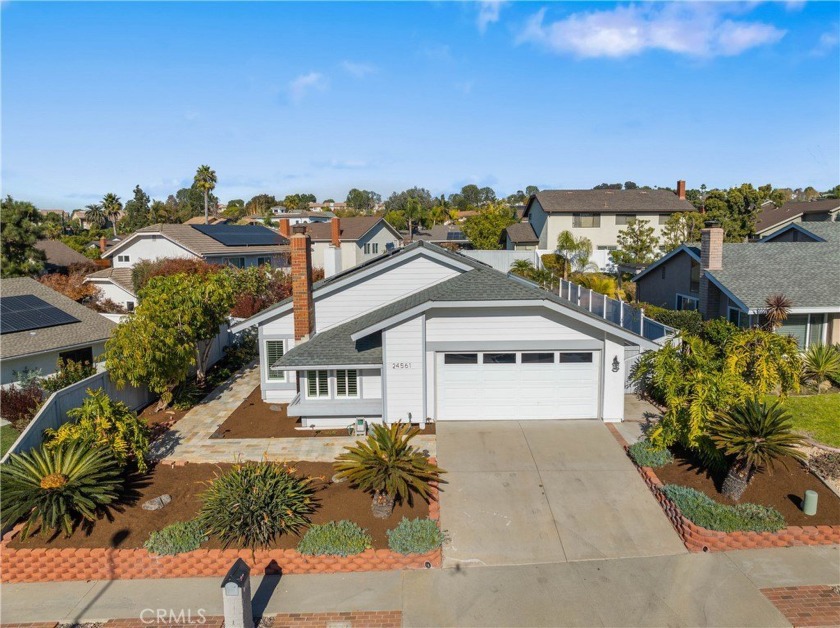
(612, 383)
(110, 290)
(380, 235)
(493, 324)
(44, 361)
(371, 383)
(149, 247)
(404, 369)
(537, 217)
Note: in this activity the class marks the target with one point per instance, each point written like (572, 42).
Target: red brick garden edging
(56, 565)
(699, 539)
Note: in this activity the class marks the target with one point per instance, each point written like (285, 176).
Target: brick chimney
(285, 228)
(681, 189)
(335, 233)
(102, 244)
(302, 304)
(711, 259)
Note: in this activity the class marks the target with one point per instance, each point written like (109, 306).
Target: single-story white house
(425, 334)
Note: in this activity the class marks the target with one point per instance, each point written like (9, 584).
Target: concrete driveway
(542, 492)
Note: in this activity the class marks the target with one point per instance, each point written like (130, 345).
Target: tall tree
(205, 180)
(637, 244)
(398, 200)
(112, 207)
(298, 202)
(362, 200)
(531, 190)
(95, 215)
(681, 227)
(258, 204)
(413, 213)
(574, 251)
(137, 211)
(485, 229)
(20, 228)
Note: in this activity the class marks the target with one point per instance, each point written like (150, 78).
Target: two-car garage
(514, 385)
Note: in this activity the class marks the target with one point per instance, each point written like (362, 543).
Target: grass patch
(817, 416)
(8, 436)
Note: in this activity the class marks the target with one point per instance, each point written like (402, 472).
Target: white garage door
(517, 385)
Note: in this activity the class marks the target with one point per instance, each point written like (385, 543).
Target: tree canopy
(20, 228)
(363, 200)
(637, 244)
(484, 230)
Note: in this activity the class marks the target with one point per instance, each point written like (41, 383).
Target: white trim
(358, 394)
(795, 226)
(306, 394)
(724, 289)
(269, 367)
(321, 367)
(140, 235)
(677, 295)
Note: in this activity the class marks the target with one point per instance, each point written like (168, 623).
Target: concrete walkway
(189, 440)
(686, 589)
(544, 492)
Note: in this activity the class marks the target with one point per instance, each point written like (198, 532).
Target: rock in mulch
(157, 503)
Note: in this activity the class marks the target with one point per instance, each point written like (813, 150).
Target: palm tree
(523, 268)
(413, 212)
(94, 215)
(387, 466)
(574, 251)
(112, 207)
(777, 308)
(205, 180)
(755, 434)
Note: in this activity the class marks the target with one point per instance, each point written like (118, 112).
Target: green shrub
(176, 538)
(706, 512)
(646, 455)
(336, 538)
(719, 331)
(687, 321)
(55, 488)
(255, 502)
(415, 536)
(68, 372)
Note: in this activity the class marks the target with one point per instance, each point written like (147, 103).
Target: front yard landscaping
(8, 436)
(816, 416)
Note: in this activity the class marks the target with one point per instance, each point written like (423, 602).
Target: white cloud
(359, 70)
(696, 29)
(305, 83)
(826, 43)
(488, 13)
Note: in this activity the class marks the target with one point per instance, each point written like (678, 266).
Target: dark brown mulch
(130, 526)
(254, 418)
(783, 489)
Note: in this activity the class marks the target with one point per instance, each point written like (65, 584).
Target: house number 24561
(400, 365)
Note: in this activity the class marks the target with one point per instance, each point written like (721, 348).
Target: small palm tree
(205, 180)
(755, 434)
(55, 488)
(95, 215)
(523, 268)
(112, 207)
(413, 213)
(822, 362)
(776, 310)
(387, 466)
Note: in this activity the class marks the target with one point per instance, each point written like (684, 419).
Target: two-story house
(772, 218)
(598, 215)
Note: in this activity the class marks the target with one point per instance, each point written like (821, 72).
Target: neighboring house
(115, 284)
(211, 220)
(39, 326)
(58, 212)
(423, 333)
(451, 236)
(520, 236)
(59, 256)
(298, 217)
(600, 215)
(237, 245)
(734, 280)
(772, 218)
(103, 244)
(343, 243)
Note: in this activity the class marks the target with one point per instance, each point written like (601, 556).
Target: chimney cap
(711, 224)
(299, 229)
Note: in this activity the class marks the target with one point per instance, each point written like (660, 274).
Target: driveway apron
(544, 491)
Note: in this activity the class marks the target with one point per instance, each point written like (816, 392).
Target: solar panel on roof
(241, 235)
(26, 311)
(455, 235)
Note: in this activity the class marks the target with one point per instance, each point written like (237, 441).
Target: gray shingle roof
(120, 276)
(771, 216)
(351, 228)
(522, 233)
(805, 272)
(59, 255)
(335, 346)
(564, 201)
(193, 240)
(91, 328)
(827, 230)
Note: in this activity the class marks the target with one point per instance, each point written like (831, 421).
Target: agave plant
(755, 434)
(387, 466)
(56, 488)
(822, 362)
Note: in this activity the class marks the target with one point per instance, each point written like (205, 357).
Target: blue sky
(321, 97)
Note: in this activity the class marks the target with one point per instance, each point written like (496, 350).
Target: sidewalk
(189, 440)
(687, 589)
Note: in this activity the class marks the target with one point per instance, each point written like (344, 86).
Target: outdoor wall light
(615, 364)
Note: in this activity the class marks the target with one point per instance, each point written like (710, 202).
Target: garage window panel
(499, 358)
(537, 358)
(460, 358)
(575, 358)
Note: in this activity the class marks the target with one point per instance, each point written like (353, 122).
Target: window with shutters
(317, 385)
(274, 350)
(346, 384)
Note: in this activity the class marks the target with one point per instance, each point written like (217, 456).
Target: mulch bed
(254, 418)
(128, 527)
(782, 490)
